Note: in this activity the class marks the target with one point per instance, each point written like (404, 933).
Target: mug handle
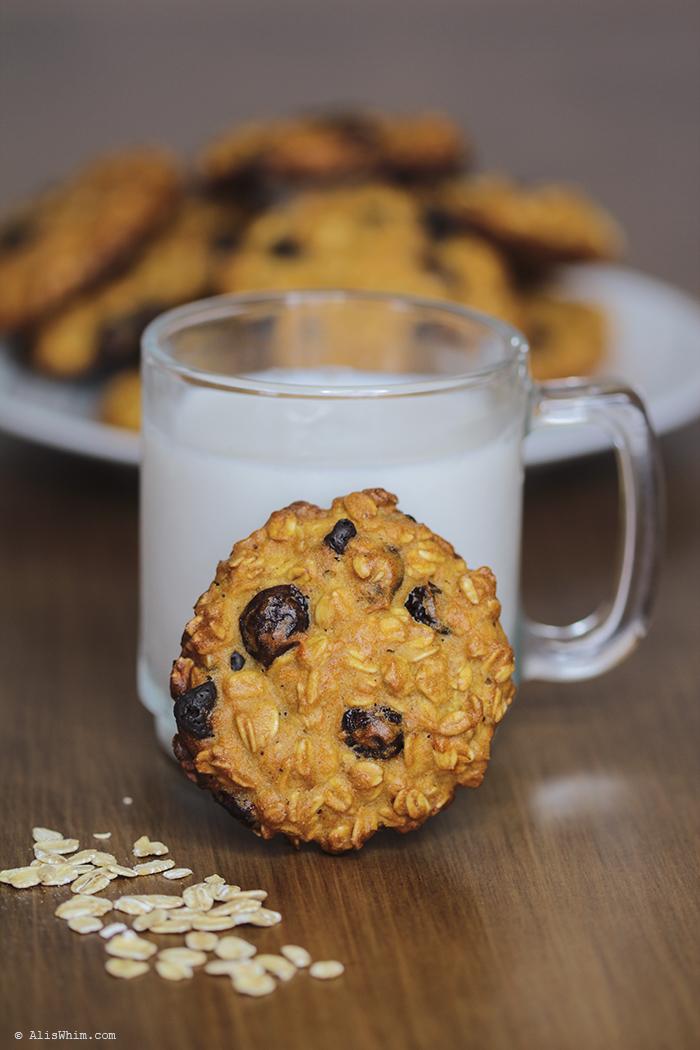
(593, 645)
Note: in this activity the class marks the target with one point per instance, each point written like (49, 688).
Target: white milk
(228, 460)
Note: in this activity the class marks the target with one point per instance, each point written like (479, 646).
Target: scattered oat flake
(43, 856)
(264, 917)
(46, 835)
(21, 878)
(90, 882)
(119, 870)
(132, 905)
(228, 967)
(127, 800)
(252, 984)
(214, 923)
(57, 845)
(85, 923)
(198, 897)
(171, 926)
(101, 860)
(255, 895)
(126, 968)
(144, 847)
(185, 956)
(222, 892)
(160, 900)
(172, 971)
(129, 945)
(84, 856)
(215, 880)
(148, 919)
(279, 967)
(153, 867)
(102, 834)
(57, 874)
(111, 929)
(326, 969)
(177, 873)
(201, 941)
(235, 907)
(83, 905)
(297, 955)
(234, 948)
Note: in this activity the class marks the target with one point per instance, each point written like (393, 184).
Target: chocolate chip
(286, 248)
(193, 710)
(409, 516)
(421, 605)
(272, 619)
(439, 223)
(373, 732)
(340, 535)
(237, 661)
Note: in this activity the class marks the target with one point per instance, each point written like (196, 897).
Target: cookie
(476, 275)
(359, 237)
(537, 225)
(120, 404)
(344, 672)
(566, 338)
(307, 150)
(423, 146)
(101, 329)
(74, 234)
(334, 147)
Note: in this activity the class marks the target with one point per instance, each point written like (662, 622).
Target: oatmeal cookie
(308, 150)
(120, 404)
(423, 146)
(75, 233)
(368, 237)
(477, 275)
(537, 225)
(566, 338)
(344, 672)
(101, 329)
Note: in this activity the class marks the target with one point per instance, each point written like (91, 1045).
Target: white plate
(655, 348)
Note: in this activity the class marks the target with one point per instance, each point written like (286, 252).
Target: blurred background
(603, 92)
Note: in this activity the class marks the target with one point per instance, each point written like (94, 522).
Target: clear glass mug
(252, 402)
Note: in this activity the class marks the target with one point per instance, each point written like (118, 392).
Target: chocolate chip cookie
(101, 329)
(423, 146)
(566, 338)
(344, 672)
(367, 237)
(537, 225)
(75, 233)
(476, 274)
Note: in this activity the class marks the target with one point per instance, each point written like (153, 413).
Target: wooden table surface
(556, 907)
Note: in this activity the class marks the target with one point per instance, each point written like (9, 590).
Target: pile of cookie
(354, 200)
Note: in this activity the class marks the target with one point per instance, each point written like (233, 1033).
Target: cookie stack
(351, 200)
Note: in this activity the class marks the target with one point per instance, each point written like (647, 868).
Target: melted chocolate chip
(193, 710)
(340, 535)
(373, 732)
(184, 758)
(421, 605)
(286, 248)
(237, 661)
(272, 619)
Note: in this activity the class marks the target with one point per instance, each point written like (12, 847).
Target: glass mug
(253, 402)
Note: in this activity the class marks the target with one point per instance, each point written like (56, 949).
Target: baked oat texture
(74, 233)
(344, 672)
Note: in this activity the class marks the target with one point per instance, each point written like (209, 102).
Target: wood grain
(555, 907)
